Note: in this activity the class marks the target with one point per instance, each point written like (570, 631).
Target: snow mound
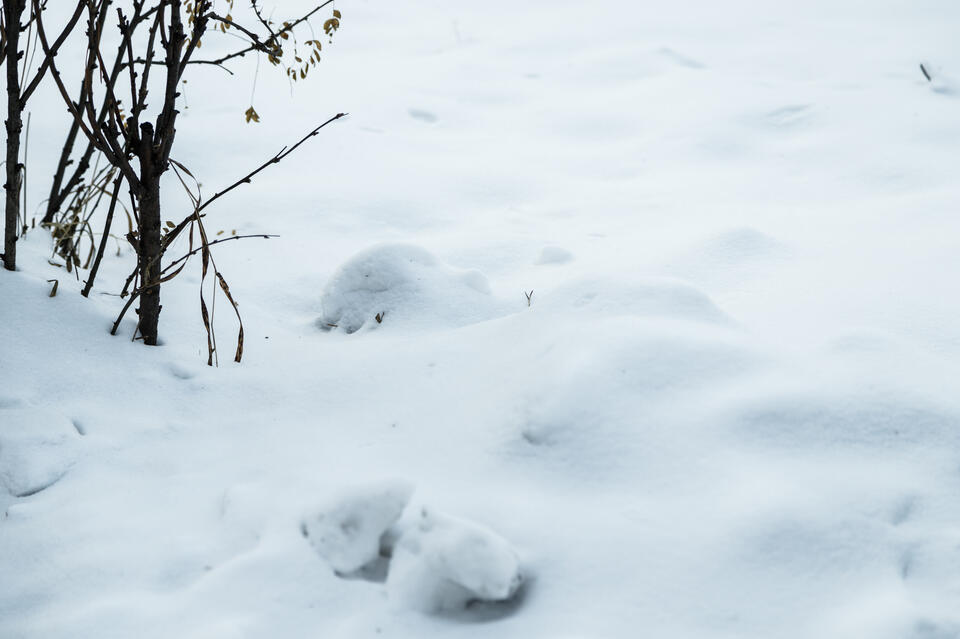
(554, 255)
(644, 368)
(347, 531)
(443, 564)
(37, 448)
(403, 284)
(729, 256)
(649, 297)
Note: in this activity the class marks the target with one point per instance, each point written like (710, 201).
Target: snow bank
(347, 532)
(37, 448)
(441, 563)
(403, 285)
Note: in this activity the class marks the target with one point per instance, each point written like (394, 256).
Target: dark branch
(48, 58)
(284, 152)
(209, 244)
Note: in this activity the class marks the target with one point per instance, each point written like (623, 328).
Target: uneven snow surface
(443, 564)
(668, 341)
(348, 532)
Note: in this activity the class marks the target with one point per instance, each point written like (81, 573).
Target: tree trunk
(13, 11)
(150, 239)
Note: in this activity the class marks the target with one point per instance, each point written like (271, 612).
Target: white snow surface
(37, 447)
(347, 533)
(408, 284)
(730, 409)
(444, 564)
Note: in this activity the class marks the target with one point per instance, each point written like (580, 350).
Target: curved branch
(48, 58)
(280, 155)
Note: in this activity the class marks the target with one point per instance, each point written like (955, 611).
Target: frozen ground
(731, 408)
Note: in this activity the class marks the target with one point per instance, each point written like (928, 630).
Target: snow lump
(347, 532)
(441, 563)
(435, 563)
(403, 285)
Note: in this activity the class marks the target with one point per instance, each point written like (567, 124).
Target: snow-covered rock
(403, 284)
(347, 531)
(442, 563)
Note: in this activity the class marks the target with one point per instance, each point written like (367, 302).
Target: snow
(444, 564)
(37, 448)
(554, 255)
(730, 407)
(407, 283)
(348, 532)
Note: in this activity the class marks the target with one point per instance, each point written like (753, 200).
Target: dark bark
(12, 13)
(150, 259)
(154, 154)
(121, 138)
(149, 244)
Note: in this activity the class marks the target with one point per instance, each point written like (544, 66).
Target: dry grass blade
(206, 324)
(226, 291)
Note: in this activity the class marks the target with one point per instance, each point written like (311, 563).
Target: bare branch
(254, 47)
(265, 236)
(106, 235)
(284, 152)
(48, 57)
(93, 135)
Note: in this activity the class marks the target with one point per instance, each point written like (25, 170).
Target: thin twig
(106, 235)
(284, 152)
(265, 236)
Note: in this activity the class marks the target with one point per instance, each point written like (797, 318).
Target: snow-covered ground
(731, 407)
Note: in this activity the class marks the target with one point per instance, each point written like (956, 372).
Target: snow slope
(731, 407)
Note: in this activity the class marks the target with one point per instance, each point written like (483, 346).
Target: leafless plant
(19, 91)
(137, 148)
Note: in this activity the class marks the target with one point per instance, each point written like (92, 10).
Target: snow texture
(37, 448)
(348, 532)
(443, 564)
(648, 298)
(554, 255)
(734, 414)
(406, 284)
